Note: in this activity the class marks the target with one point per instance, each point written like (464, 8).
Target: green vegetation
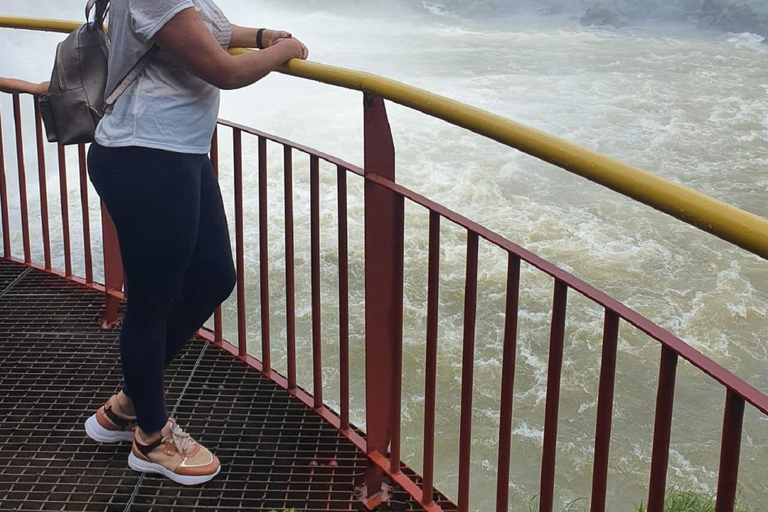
(677, 501)
(688, 501)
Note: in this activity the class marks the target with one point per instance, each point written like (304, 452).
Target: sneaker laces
(183, 441)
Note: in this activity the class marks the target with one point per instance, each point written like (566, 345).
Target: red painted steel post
(662, 430)
(341, 183)
(430, 393)
(397, 349)
(22, 179)
(290, 274)
(64, 200)
(381, 331)
(605, 411)
(113, 268)
(237, 145)
(218, 327)
(4, 200)
(317, 312)
(551, 416)
(86, 214)
(266, 350)
(467, 371)
(730, 453)
(42, 183)
(508, 383)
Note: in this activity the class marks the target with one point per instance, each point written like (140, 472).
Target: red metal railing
(384, 248)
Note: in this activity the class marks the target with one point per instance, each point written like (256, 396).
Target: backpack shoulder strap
(102, 8)
(131, 77)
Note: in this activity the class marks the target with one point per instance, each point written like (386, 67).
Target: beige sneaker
(110, 424)
(175, 455)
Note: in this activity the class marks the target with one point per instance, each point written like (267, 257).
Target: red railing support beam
(64, 200)
(551, 416)
(341, 185)
(430, 378)
(381, 334)
(290, 279)
(317, 306)
(82, 159)
(508, 383)
(4, 200)
(43, 187)
(266, 349)
(605, 412)
(22, 179)
(662, 430)
(468, 371)
(730, 453)
(237, 149)
(218, 327)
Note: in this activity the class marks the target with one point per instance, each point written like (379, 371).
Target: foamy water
(690, 106)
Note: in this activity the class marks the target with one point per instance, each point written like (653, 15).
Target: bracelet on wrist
(260, 38)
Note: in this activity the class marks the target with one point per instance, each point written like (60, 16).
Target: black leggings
(176, 252)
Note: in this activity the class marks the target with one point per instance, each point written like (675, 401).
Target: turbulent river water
(688, 105)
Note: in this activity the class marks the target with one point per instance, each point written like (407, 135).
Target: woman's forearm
(190, 43)
(243, 37)
(247, 68)
(11, 85)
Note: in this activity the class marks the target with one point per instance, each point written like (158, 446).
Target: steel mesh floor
(57, 366)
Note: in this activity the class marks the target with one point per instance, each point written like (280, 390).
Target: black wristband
(260, 39)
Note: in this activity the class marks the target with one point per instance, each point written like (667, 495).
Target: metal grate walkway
(57, 366)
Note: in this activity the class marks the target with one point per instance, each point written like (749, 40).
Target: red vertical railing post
(64, 200)
(290, 274)
(237, 146)
(551, 416)
(508, 382)
(22, 179)
(4, 199)
(317, 312)
(430, 378)
(218, 327)
(468, 371)
(266, 350)
(397, 349)
(381, 331)
(86, 214)
(113, 268)
(341, 183)
(43, 184)
(730, 453)
(605, 411)
(662, 430)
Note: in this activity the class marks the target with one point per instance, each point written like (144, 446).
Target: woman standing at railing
(150, 166)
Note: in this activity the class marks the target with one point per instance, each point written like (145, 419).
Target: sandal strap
(114, 418)
(146, 449)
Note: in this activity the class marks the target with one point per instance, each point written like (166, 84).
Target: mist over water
(682, 103)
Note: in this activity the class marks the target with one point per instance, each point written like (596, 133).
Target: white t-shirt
(166, 107)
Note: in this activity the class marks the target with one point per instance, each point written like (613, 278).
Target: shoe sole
(150, 467)
(100, 434)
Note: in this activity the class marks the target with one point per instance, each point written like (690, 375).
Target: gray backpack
(76, 99)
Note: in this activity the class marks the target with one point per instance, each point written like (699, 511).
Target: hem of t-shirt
(175, 148)
(165, 19)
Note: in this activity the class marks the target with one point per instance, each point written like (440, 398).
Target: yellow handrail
(732, 224)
